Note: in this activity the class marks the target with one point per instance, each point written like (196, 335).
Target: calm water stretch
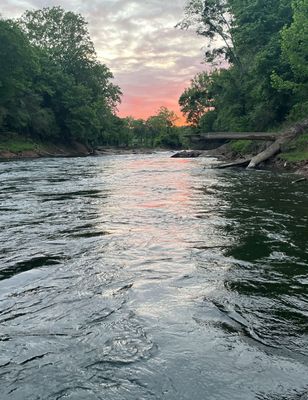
(144, 277)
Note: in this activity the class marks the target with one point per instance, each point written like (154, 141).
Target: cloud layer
(151, 60)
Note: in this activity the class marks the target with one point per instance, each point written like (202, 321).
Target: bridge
(270, 136)
(211, 140)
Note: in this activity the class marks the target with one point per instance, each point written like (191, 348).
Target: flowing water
(143, 277)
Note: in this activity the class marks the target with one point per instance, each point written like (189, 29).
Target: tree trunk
(299, 180)
(238, 163)
(269, 152)
(275, 148)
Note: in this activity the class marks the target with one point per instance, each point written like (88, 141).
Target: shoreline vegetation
(19, 147)
(292, 158)
(258, 80)
(57, 99)
(54, 89)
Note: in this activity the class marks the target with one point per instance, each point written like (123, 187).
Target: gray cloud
(151, 60)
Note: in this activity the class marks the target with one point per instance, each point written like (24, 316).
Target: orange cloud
(143, 101)
(138, 108)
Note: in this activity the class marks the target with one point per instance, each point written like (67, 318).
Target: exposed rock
(187, 154)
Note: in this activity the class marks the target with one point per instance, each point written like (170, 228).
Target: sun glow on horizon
(151, 60)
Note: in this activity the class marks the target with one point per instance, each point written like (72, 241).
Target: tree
(213, 20)
(71, 81)
(17, 60)
(295, 40)
(63, 35)
(162, 128)
(196, 99)
(247, 35)
(142, 132)
(168, 117)
(17, 67)
(294, 44)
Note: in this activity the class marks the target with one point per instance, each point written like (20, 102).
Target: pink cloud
(151, 60)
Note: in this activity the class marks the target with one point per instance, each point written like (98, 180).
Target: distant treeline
(260, 49)
(54, 88)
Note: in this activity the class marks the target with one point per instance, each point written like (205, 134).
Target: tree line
(54, 88)
(258, 53)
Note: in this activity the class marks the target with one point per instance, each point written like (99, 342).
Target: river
(141, 277)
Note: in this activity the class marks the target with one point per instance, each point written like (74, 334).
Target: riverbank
(293, 158)
(19, 147)
(15, 147)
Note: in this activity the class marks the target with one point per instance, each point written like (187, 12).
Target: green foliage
(300, 143)
(196, 99)
(184, 133)
(63, 35)
(241, 96)
(18, 65)
(212, 19)
(158, 130)
(241, 146)
(17, 61)
(295, 40)
(296, 150)
(52, 86)
(298, 111)
(295, 156)
(16, 144)
(294, 44)
(163, 129)
(206, 123)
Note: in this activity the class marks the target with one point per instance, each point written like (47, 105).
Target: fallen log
(269, 152)
(238, 163)
(275, 148)
(299, 180)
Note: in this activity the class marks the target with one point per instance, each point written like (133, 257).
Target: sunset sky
(151, 60)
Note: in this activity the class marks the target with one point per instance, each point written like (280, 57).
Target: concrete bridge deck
(271, 136)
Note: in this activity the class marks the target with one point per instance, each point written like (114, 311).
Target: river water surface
(143, 277)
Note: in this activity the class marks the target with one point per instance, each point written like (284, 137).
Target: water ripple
(144, 277)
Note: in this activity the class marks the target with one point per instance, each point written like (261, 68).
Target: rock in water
(187, 154)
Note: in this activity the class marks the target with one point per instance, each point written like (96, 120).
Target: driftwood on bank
(269, 152)
(275, 148)
(237, 163)
(299, 180)
(279, 139)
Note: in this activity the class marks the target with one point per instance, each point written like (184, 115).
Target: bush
(242, 146)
